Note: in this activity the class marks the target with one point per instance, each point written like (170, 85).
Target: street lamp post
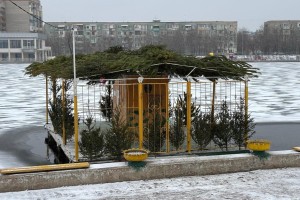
(75, 99)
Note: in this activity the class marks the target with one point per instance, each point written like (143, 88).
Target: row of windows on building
(113, 32)
(16, 56)
(146, 26)
(17, 44)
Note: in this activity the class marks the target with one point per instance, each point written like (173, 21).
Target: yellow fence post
(76, 129)
(246, 106)
(47, 103)
(167, 121)
(213, 102)
(188, 116)
(63, 112)
(75, 100)
(141, 102)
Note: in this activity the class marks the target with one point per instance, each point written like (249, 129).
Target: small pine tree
(119, 137)
(181, 106)
(155, 132)
(92, 140)
(177, 135)
(221, 127)
(56, 111)
(242, 125)
(106, 103)
(202, 132)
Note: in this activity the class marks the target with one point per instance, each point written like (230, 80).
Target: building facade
(191, 38)
(21, 32)
(282, 37)
(284, 27)
(23, 47)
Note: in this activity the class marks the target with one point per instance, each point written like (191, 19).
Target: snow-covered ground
(259, 184)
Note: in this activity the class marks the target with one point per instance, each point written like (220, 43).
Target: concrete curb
(156, 168)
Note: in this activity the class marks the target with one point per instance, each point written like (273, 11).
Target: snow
(259, 184)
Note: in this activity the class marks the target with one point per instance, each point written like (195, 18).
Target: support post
(63, 103)
(213, 102)
(75, 102)
(188, 116)
(167, 121)
(246, 106)
(47, 101)
(141, 109)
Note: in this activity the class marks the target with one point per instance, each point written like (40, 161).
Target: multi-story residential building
(2, 16)
(21, 37)
(283, 27)
(194, 37)
(282, 37)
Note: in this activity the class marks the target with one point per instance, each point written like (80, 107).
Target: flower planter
(258, 145)
(135, 155)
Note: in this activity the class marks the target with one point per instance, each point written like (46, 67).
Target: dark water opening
(283, 136)
(26, 146)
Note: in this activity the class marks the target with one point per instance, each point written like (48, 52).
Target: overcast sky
(250, 14)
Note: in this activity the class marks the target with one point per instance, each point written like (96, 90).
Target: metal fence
(159, 111)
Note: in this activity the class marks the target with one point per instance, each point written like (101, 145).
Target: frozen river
(273, 98)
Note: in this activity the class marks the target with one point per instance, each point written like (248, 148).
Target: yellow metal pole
(76, 128)
(75, 101)
(47, 100)
(246, 106)
(213, 102)
(188, 115)
(141, 102)
(63, 113)
(167, 121)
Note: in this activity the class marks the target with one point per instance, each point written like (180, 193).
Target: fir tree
(155, 132)
(118, 137)
(181, 106)
(177, 134)
(221, 127)
(106, 103)
(202, 132)
(242, 125)
(57, 113)
(92, 140)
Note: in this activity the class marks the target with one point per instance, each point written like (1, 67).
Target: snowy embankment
(259, 184)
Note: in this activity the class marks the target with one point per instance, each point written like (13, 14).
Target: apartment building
(282, 27)
(190, 37)
(21, 32)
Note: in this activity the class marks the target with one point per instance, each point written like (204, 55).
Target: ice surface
(274, 96)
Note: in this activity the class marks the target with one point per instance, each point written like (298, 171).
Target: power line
(32, 15)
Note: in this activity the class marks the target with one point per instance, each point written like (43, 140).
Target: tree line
(267, 42)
